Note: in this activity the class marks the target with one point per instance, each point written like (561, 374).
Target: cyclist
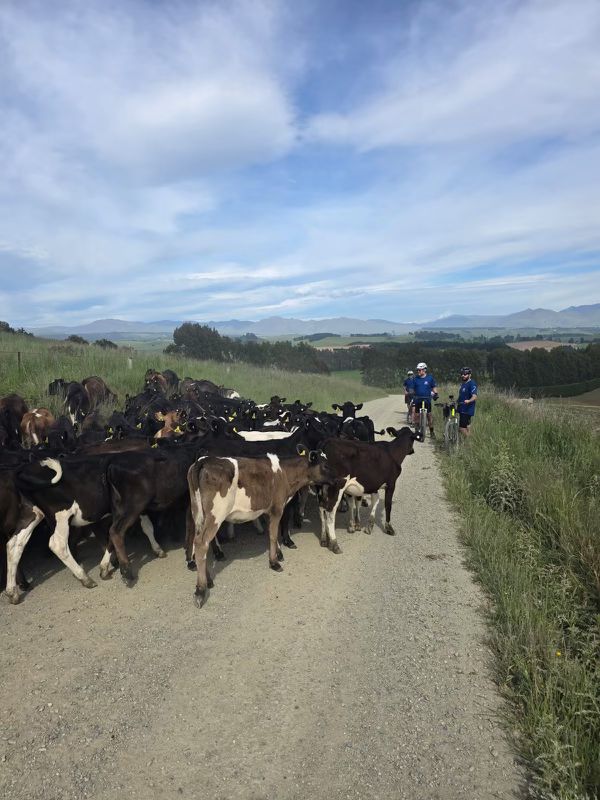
(424, 389)
(409, 387)
(467, 397)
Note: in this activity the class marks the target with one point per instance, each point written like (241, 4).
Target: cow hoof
(161, 554)
(323, 543)
(129, 578)
(191, 565)
(290, 545)
(88, 582)
(351, 528)
(276, 566)
(389, 530)
(335, 548)
(369, 527)
(280, 555)
(200, 596)
(15, 598)
(105, 574)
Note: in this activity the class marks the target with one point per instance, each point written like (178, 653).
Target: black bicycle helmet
(465, 371)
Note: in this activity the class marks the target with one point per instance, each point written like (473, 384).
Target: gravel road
(362, 675)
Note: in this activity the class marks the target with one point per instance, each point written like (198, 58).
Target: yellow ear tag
(110, 430)
(235, 430)
(154, 445)
(177, 429)
(302, 452)
(139, 425)
(231, 419)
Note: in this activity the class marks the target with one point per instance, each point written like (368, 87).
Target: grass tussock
(43, 360)
(528, 489)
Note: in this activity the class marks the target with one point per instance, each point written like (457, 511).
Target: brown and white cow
(172, 424)
(35, 425)
(241, 490)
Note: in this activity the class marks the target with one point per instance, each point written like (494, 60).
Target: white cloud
(496, 72)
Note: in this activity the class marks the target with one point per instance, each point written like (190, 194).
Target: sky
(396, 159)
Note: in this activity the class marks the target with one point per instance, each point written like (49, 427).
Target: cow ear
(335, 406)
(308, 405)
(359, 406)
(301, 450)
(392, 431)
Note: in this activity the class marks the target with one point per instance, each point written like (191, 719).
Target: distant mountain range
(572, 317)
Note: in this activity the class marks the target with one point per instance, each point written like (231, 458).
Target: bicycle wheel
(453, 435)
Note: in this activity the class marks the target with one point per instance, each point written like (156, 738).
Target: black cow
(364, 468)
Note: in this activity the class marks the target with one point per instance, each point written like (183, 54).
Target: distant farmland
(545, 344)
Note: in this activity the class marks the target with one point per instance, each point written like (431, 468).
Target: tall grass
(43, 360)
(527, 486)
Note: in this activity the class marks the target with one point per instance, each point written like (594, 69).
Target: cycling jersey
(466, 392)
(409, 384)
(423, 387)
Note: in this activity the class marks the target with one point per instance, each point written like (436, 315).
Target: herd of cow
(187, 450)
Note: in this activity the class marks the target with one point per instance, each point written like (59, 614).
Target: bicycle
(451, 434)
(421, 425)
(409, 411)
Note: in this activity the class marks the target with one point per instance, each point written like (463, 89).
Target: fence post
(130, 363)
(19, 361)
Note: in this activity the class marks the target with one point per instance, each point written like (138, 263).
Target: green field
(42, 360)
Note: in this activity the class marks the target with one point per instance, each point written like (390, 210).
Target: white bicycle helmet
(421, 365)
(410, 372)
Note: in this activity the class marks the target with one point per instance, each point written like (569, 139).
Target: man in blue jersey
(467, 397)
(424, 389)
(408, 387)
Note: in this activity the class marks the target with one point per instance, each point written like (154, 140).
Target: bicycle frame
(451, 435)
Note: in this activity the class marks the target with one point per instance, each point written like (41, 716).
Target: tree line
(203, 342)
(386, 365)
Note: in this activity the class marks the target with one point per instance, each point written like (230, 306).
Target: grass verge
(527, 487)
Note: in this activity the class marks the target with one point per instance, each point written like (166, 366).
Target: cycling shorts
(419, 400)
(464, 420)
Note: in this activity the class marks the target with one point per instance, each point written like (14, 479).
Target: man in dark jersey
(424, 389)
(467, 397)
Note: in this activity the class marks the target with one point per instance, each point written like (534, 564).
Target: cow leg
(105, 564)
(121, 523)
(353, 514)
(374, 503)
(284, 526)
(190, 532)
(329, 500)
(202, 540)
(275, 554)
(389, 493)
(148, 529)
(59, 544)
(299, 505)
(14, 550)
